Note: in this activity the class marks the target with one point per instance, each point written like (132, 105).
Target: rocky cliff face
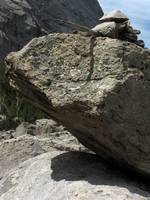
(22, 20)
(98, 88)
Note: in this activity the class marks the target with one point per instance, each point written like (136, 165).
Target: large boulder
(67, 175)
(97, 87)
(22, 20)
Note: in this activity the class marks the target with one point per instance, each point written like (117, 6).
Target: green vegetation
(14, 107)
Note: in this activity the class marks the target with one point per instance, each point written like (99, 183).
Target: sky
(138, 12)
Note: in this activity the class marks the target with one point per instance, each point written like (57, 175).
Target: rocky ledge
(99, 88)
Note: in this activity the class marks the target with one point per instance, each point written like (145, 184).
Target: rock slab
(66, 175)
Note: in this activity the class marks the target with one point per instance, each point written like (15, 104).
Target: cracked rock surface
(99, 91)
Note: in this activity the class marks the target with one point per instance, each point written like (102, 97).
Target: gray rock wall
(22, 20)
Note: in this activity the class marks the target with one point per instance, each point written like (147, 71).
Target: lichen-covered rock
(22, 20)
(98, 88)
